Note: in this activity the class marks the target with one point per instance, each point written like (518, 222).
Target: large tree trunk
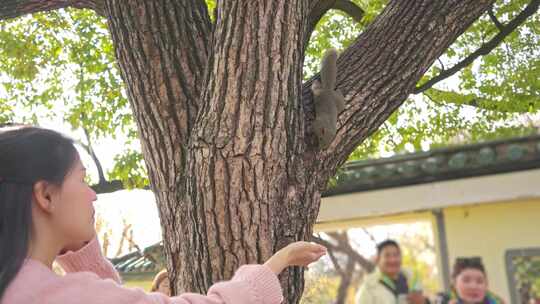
(225, 122)
(225, 128)
(230, 182)
(246, 184)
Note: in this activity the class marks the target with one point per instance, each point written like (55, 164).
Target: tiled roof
(150, 260)
(437, 165)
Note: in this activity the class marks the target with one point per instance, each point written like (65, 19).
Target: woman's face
(73, 215)
(471, 285)
(164, 287)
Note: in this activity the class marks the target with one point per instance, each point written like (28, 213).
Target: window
(523, 268)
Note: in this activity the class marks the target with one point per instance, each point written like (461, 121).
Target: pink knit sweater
(91, 279)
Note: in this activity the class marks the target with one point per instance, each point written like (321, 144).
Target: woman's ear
(43, 196)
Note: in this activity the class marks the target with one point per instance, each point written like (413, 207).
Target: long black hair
(27, 155)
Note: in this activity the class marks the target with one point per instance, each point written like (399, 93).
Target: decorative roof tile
(479, 159)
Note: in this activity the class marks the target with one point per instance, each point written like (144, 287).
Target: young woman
(46, 214)
(470, 284)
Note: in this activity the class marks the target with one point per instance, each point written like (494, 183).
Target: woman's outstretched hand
(295, 254)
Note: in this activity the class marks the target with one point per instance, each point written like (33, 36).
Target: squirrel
(329, 102)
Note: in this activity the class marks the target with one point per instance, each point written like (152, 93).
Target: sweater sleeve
(90, 259)
(252, 284)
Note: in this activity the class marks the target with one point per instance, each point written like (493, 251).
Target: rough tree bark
(225, 121)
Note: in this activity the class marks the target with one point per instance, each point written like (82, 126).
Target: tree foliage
(60, 66)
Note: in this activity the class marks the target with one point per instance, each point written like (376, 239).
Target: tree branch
(90, 150)
(371, 237)
(346, 273)
(486, 48)
(350, 8)
(16, 8)
(345, 248)
(335, 261)
(378, 72)
(323, 6)
(108, 186)
(346, 280)
(494, 19)
(438, 96)
(104, 185)
(111, 186)
(441, 63)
